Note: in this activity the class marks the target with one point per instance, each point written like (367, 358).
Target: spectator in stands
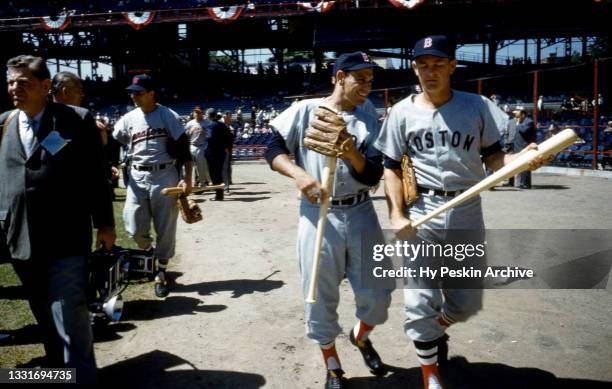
(574, 104)
(525, 134)
(553, 129)
(196, 130)
(609, 128)
(600, 100)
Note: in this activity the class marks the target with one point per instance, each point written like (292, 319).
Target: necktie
(27, 136)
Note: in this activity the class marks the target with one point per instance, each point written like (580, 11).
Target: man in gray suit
(46, 217)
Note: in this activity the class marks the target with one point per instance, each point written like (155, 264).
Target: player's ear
(415, 68)
(453, 65)
(340, 76)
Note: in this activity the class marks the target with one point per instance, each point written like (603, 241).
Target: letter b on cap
(427, 43)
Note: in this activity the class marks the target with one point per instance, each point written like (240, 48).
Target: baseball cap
(211, 111)
(436, 45)
(140, 83)
(353, 61)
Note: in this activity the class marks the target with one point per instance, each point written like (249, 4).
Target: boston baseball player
(156, 141)
(351, 219)
(448, 134)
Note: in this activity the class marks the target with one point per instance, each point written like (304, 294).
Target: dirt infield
(234, 318)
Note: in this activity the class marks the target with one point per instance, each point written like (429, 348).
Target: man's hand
(114, 173)
(402, 226)
(106, 236)
(539, 161)
(310, 187)
(186, 186)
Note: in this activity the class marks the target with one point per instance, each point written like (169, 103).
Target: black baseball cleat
(370, 356)
(161, 285)
(335, 379)
(443, 350)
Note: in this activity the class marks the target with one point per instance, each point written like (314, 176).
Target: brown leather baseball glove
(327, 133)
(409, 184)
(190, 211)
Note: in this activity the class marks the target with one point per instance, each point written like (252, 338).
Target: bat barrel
(549, 147)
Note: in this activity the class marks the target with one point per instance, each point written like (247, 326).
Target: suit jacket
(220, 138)
(48, 201)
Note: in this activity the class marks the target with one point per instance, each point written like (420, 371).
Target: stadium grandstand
(202, 53)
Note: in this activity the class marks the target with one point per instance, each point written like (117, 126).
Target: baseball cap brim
(434, 53)
(135, 88)
(361, 66)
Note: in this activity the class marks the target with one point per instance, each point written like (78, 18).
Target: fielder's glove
(327, 133)
(409, 184)
(190, 211)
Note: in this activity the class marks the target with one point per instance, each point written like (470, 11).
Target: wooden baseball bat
(329, 172)
(549, 147)
(177, 190)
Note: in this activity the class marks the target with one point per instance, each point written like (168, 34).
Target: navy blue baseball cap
(353, 61)
(140, 83)
(436, 45)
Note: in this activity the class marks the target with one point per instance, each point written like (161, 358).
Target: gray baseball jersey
(197, 131)
(147, 134)
(445, 144)
(292, 123)
(349, 230)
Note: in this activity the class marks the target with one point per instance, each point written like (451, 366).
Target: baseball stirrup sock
(361, 331)
(431, 377)
(445, 320)
(428, 356)
(330, 356)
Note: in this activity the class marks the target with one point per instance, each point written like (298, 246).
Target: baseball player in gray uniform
(352, 221)
(449, 135)
(156, 141)
(197, 132)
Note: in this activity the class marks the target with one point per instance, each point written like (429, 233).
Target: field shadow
(238, 287)
(461, 374)
(161, 369)
(171, 306)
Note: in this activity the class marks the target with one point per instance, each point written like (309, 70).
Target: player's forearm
(498, 160)
(393, 192)
(188, 171)
(282, 164)
(357, 161)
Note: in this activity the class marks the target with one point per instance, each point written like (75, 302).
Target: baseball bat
(549, 147)
(177, 190)
(329, 172)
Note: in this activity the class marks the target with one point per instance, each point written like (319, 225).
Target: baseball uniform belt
(350, 200)
(152, 168)
(437, 192)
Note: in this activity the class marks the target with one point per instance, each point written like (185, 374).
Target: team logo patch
(365, 57)
(428, 42)
(135, 80)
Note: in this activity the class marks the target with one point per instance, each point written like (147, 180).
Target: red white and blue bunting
(139, 20)
(225, 14)
(322, 6)
(407, 4)
(56, 23)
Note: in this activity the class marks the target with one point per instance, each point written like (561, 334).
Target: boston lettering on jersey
(442, 138)
(149, 133)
